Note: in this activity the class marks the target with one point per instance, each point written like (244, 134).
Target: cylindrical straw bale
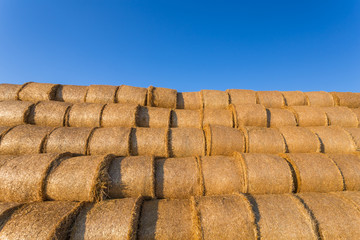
(112, 219)
(101, 94)
(167, 219)
(9, 91)
(307, 116)
(114, 140)
(34, 92)
(351, 196)
(132, 177)
(24, 139)
(68, 139)
(153, 117)
(315, 172)
(131, 95)
(177, 178)
(150, 142)
(320, 99)
(347, 99)
(264, 140)
(7, 209)
(5, 158)
(83, 178)
(71, 93)
(222, 117)
(23, 178)
(222, 175)
(357, 112)
(49, 113)
(161, 97)
(14, 113)
(355, 134)
(280, 117)
(186, 142)
(271, 99)
(189, 100)
(294, 98)
(250, 115)
(85, 115)
(300, 140)
(41, 220)
(4, 130)
(184, 118)
(266, 174)
(222, 140)
(214, 99)
(341, 116)
(242, 97)
(119, 115)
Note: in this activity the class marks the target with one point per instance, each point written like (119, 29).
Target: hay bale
(183, 118)
(177, 178)
(4, 130)
(341, 116)
(294, 98)
(150, 141)
(242, 97)
(186, 142)
(153, 117)
(355, 134)
(71, 93)
(83, 178)
(34, 92)
(119, 115)
(347, 99)
(49, 113)
(222, 140)
(6, 210)
(24, 139)
(131, 95)
(41, 220)
(132, 177)
(307, 116)
(353, 197)
(271, 99)
(85, 115)
(222, 175)
(103, 221)
(214, 99)
(23, 178)
(5, 158)
(222, 117)
(9, 91)
(189, 100)
(278, 117)
(357, 112)
(101, 94)
(300, 140)
(114, 140)
(320, 99)
(315, 172)
(266, 174)
(161, 97)
(250, 115)
(14, 113)
(68, 139)
(264, 140)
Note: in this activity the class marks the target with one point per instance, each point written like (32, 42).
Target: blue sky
(185, 45)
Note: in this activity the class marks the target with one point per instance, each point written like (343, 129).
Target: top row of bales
(170, 98)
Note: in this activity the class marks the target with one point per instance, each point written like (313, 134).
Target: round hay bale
(271, 99)
(264, 140)
(41, 220)
(132, 177)
(222, 140)
(183, 118)
(101, 94)
(6, 210)
(347, 99)
(14, 113)
(266, 174)
(153, 117)
(49, 113)
(150, 142)
(341, 116)
(131, 95)
(85, 115)
(83, 178)
(242, 97)
(355, 134)
(250, 115)
(114, 140)
(315, 172)
(34, 92)
(119, 115)
(357, 113)
(214, 99)
(4, 130)
(161, 97)
(177, 178)
(222, 117)
(68, 139)
(320, 99)
(189, 100)
(9, 91)
(24, 139)
(5, 158)
(280, 117)
(353, 197)
(307, 116)
(186, 142)
(300, 140)
(294, 98)
(71, 93)
(102, 220)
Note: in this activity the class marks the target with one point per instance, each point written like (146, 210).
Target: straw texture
(242, 97)
(347, 99)
(119, 115)
(183, 118)
(300, 140)
(294, 98)
(49, 113)
(85, 115)
(341, 116)
(71, 93)
(222, 117)
(264, 140)
(34, 92)
(189, 100)
(150, 141)
(354, 197)
(186, 142)
(153, 117)
(320, 99)
(101, 94)
(14, 113)
(9, 91)
(357, 112)
(355, 134)
(131, 95)
(6, 210)
(161, 97)
(250, 115)
(214, 99)
(280, 117)
(271, 99)
(307, 116)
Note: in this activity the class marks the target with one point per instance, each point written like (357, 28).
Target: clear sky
(186, 45)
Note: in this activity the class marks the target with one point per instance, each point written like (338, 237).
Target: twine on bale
(271, 99)
(153, 117)
(186, 142)
(71, 93)
(131, 95)
(85, 115)
(119, 115)
(294, 98)
(320, 99)
(34, 92)
(189, 100)
(214, 99)
(49, 113)
(161, 97)
(184, 118)
(101, 94)
(242, 97)
(14, 113)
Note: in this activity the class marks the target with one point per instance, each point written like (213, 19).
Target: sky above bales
(185, 45)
